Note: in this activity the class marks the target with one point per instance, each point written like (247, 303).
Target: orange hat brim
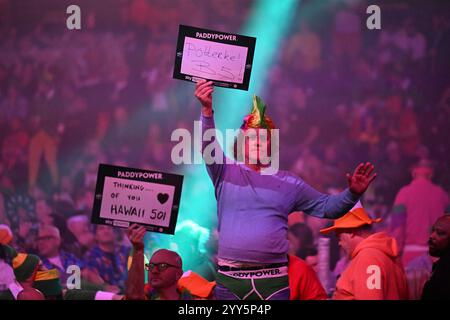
(356, 225)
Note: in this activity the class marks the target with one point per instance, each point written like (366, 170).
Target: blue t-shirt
(253, 208)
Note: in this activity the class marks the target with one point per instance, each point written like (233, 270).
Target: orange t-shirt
(303, 281)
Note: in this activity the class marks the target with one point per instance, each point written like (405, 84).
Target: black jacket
(438, 287)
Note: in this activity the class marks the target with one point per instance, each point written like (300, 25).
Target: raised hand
(361, 179)
(203, 92)
(136, 235)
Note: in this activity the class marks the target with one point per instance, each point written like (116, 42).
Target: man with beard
(438, 287)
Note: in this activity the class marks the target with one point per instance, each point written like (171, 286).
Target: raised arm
(134, 287)
(211, 150)
(322, 205)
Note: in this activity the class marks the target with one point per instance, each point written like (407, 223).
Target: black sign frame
(238, 40)
(106, 170)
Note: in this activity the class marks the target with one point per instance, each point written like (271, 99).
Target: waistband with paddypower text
(257, 274)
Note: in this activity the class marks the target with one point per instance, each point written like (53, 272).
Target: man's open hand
(361, 178)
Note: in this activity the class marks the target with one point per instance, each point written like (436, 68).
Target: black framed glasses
(161, 266)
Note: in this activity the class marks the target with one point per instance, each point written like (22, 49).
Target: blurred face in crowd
(164, 269)
(439, 241)
(66, 184)
(80, 229)
(105, 235)
(48, 241)
(43, 212)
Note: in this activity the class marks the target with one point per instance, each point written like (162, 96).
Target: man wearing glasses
(164, 271)
(49, 249)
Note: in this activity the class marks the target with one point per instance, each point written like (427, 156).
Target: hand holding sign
(136, 235)
(203, 92)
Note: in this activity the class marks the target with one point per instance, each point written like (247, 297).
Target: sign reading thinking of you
(224, 58)
(124, 196)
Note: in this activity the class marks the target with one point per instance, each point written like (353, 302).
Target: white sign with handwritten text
(137, 201)
(224, 58)
(213, 60)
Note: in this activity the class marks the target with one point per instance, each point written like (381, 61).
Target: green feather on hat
(257, 118)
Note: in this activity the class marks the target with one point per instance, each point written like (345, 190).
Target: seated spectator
(79, 226)
(44, 211)
(48, 245)
(21, 281)
(69, 242)
(107, 259)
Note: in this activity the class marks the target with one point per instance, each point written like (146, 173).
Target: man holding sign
(165, 274)
(253, 207)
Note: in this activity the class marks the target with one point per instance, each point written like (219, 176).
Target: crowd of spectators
(339, 93)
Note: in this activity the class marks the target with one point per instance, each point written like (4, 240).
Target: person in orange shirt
(375, 271)
(303, 281)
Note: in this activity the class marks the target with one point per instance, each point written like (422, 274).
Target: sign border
(243, 41)
(106, 170)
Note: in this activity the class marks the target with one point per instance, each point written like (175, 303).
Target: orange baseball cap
(355, 218)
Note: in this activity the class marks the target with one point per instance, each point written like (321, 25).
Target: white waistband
(257, 274)
(239, 264)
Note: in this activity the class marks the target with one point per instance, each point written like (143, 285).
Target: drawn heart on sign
(163, 197)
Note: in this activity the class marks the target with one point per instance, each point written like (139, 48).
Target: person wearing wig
(253, 207)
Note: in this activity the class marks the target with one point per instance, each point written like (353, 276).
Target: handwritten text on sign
(214, 60)
(137, 201)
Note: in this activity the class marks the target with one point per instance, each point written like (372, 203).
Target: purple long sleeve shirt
(253, 208)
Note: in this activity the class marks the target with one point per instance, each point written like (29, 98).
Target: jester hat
(256, 118)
